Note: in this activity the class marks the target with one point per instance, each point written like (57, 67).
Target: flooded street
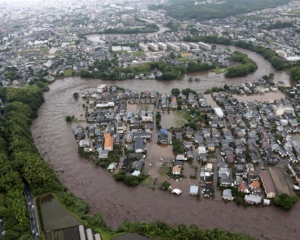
(56, 144)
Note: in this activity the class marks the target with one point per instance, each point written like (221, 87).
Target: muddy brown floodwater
(56, 144)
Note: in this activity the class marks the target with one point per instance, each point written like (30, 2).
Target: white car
(161, 159)
(177, 191)
(32, 206)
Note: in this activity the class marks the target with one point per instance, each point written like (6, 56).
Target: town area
(90, 40)
(210, 145)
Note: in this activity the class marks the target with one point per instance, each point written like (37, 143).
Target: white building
(204, 46)
(143, 47)
(153, 47)
(102, 88)
(173, 47)
(201, 150)
(194, 46)
(127, 19)
(219, 112)
(162, 46)
(185, 47)
(282, 54)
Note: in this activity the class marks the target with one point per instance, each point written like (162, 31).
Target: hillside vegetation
(185, 9)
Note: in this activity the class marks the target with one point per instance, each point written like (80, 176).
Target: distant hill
(186, 9)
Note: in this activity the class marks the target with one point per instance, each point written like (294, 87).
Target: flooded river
(55, 141)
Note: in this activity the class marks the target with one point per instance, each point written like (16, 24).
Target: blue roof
(164, 130)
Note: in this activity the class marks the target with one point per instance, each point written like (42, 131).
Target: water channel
(56, 144)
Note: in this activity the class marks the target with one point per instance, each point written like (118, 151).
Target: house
(181, 157)
(103, 154)
(243, 187)
(126, 164)
(189, 132)
(295, 170)
(108, 142)
(137, 165)
(208, 179)
(225, 181)
(139, 145)
(174, 104)
(120, 127)
(194, 190)
(201, 150)
(267, 184)
(84, 143)
(211, 147)
(227, 195)
(176, 170)
(253, 199)
(112, 166)
(208, 191)
(209, 167)
(143, 135)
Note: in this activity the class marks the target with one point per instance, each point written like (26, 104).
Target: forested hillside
(185, 9)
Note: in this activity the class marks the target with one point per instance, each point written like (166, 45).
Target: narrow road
(32, 213)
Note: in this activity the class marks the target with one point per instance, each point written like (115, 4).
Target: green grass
(29, 50)
(185, 60)
(296, 11)
(68, 73)
(181, 117)
(138, 53)
(220, 70)
(44, 49)
(146, 182)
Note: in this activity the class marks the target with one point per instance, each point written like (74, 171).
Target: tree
(68, 119)
(166, 185)
(285, 201)
(175, 91)
(265, 77)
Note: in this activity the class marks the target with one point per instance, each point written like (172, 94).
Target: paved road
(32, 213)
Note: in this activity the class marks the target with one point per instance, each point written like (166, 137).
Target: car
(161, 159)
(37, 234)
(32, 206)
(263, 168)
(29, 203)
(33, 232)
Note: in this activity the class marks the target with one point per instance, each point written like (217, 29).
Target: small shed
(194, 190)
(136, 173)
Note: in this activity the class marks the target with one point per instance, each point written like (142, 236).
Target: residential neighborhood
(243, 151)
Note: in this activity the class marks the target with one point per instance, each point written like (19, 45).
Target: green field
(185, 60)
(220, 70)
(293, 13)
(68, 73)
(181, 118)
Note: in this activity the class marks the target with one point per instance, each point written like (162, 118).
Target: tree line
(248, 65)
(182, 232)
(168, 72)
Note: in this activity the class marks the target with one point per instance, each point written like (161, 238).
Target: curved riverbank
(56, 144)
